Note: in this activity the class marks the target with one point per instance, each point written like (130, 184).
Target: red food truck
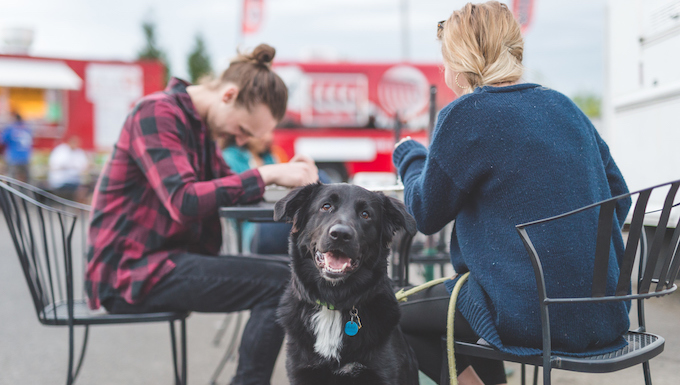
(347, 116)
(63, 97)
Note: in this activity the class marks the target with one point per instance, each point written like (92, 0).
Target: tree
(199, 60)
(151, 50)
(589, 103)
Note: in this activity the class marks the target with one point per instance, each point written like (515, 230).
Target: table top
(256, 212)
(264, 211)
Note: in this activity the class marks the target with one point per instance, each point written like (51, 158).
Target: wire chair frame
(44, 248)
(43, 230)
(658, 267)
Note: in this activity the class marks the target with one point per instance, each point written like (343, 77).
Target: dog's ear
(287, 209)
(396, 217)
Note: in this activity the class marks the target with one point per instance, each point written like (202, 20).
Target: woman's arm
(617, 185)
(430, 194)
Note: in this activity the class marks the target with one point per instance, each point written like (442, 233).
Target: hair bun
(263, 54)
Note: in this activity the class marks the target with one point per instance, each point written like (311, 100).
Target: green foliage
(151, 50)
(199, 60)
(589, 103)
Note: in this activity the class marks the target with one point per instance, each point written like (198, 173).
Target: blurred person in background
(68, 166)
(18, 141)
(261, 238)
(504, 153)
(155, 229)
(255, 153)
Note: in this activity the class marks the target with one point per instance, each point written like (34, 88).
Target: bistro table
(264, 212)
(257, 212)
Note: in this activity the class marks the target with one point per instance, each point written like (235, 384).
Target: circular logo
(404, 90)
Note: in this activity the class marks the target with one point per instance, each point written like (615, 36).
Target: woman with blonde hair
(505, 153)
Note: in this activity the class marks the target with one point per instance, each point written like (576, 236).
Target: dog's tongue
(337, 261)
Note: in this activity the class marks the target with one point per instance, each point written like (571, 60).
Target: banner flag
(253, 12)
(523, 11)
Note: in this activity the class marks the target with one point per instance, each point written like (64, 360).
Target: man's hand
(299, 171)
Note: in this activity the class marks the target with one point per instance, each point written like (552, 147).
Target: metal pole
(433, 111)
(397, 128)
(405, 47)
(239, 23)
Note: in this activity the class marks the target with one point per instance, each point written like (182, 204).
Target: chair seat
(57, 314)
(641, 347)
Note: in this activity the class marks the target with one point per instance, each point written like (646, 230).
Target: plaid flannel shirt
(158, 196)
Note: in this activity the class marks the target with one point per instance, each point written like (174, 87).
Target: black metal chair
(43, 230)
(658, 268)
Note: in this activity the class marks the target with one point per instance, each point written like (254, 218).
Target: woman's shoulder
(459, 104)
(530, 95)
(465, 108)
(484, 96)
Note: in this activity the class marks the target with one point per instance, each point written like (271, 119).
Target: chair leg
(524, 374)
(173, 345)
(230, 350)
(647, 373)
(222, 329)
(86, 334)
(184, 350)
(71, 348)
(535, 375)
(546, 375)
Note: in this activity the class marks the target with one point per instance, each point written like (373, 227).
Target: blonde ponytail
(483, 42)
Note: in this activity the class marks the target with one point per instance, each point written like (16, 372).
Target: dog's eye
(326, 207)
(365, 215)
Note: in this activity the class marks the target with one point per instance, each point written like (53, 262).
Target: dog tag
(351, 328)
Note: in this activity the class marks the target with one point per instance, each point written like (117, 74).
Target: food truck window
(41, 108)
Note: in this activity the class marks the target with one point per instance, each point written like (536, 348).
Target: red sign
(253, 14)
(523, 11)
(403, 90)
(336, 100)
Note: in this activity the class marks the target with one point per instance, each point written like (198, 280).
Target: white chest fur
(327, 327)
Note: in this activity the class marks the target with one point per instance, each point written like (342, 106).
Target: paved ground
(32, 354)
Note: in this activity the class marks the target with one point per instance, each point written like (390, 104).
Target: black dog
(339, 312)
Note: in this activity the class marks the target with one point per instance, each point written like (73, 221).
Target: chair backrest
(660, 261)
(43, 230)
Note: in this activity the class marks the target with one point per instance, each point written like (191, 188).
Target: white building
(642, 89)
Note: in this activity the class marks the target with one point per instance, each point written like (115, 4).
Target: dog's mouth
(334, 263)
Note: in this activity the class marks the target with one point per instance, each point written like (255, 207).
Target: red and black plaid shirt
(158, 196)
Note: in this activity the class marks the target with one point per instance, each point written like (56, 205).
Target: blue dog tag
(351, 328)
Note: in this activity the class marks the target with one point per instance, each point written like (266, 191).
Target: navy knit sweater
(501, 156)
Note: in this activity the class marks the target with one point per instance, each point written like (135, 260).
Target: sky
(564, 46)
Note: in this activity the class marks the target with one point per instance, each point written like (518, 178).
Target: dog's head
(341, 229)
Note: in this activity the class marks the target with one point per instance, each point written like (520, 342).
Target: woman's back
(501, 156)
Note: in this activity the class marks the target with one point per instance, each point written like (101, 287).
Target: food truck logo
(337, 100)
(348, 99)
(404, 90)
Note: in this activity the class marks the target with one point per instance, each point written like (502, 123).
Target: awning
(49, 74)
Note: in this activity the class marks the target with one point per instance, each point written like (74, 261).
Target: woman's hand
(406, 139)
(299, 171)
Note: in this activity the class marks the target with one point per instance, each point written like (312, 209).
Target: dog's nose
(340, 232)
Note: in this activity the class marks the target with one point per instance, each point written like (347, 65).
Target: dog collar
(326, 305)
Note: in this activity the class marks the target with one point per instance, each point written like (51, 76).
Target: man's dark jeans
(226, 284)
